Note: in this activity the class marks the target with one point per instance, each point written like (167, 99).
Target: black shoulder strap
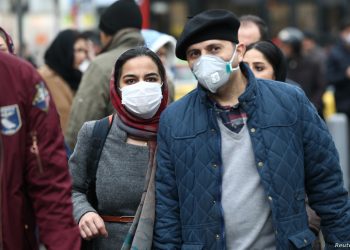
(99, 136)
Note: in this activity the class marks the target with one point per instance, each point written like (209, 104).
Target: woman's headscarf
(8, 40)
(133, 125)
(60, 57)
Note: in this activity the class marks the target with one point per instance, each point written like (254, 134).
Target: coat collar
(124, 36)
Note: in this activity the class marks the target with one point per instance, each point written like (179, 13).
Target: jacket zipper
(35, 150)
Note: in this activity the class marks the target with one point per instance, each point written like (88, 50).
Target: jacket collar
(247, 96)
(250, 92)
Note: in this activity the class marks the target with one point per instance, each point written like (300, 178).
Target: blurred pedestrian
(94, 47)
(164, 46)
(301, 69)
(7, 46)
(61, 70)
(252, 29)
(36, 187)
(27, 55)
(236, 156)
(120, 27)
(6, 43)
(95, 42)
(139, 95)
(312, 49)
(338, 69)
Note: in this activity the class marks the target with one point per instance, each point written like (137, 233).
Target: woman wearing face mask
(139, 94)
(61, 70)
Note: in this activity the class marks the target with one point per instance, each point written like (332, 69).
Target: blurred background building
(34, 23)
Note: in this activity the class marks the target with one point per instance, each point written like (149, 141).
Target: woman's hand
(91, 225)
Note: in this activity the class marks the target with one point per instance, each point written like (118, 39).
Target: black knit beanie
(121, 14)
(211, 24)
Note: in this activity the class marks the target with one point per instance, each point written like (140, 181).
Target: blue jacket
(294, 155)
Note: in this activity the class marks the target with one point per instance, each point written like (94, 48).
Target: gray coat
(120, 180)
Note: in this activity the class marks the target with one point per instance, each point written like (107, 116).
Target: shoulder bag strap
(99, 136)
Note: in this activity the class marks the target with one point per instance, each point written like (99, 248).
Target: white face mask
(142, 99)
(213, 72)
(84, 65)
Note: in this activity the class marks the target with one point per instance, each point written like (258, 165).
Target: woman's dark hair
(60, 57)
(274, 56)
(137, 52)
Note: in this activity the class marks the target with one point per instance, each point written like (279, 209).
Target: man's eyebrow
(214, 44)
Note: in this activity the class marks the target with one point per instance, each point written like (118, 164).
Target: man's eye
(193, 54)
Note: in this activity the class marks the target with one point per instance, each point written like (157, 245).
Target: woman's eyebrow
(129, 75)
(152, 74)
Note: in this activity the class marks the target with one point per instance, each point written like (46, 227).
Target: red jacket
(35, 185)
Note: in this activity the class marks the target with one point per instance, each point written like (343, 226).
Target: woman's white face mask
(142, 98)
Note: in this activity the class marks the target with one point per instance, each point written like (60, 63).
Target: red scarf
(130, 120)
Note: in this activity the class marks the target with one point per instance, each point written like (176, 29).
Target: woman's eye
(258, 68)
(151, 79)
(130, 81)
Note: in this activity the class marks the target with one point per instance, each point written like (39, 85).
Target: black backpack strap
(99, 136)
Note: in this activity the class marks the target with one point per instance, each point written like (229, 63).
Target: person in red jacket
(35, 185)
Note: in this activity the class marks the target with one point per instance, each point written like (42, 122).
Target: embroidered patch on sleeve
(42, 97)
(11, 120)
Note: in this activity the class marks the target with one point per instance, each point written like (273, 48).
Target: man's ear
(241, 48)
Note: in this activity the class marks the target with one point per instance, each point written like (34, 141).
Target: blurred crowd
(317, 69)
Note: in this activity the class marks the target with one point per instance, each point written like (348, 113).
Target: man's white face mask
(212, 72)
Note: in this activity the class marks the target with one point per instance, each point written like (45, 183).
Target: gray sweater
(119, 180)
(247, 214)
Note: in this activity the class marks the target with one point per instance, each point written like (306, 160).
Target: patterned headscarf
(8, 40)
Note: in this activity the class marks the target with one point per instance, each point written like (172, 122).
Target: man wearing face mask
(237, 155)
